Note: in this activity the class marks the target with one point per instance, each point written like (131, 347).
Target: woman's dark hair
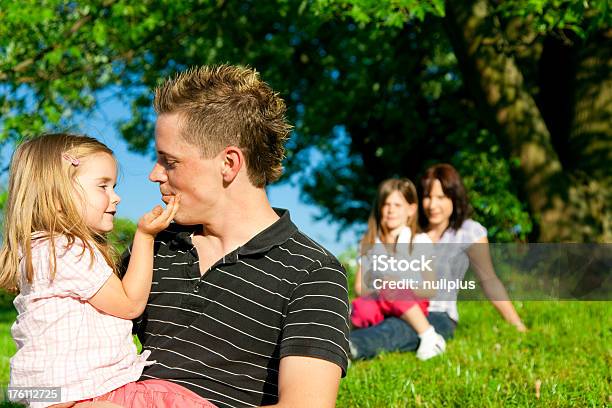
(453, 188)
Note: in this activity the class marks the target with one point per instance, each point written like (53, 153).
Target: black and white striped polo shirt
(222, 334)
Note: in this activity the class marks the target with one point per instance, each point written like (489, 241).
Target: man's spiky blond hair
(227, 105)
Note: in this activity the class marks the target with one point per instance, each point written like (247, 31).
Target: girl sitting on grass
(73, 329)
(394, 220)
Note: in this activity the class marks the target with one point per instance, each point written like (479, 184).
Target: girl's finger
(169, 212)
(153, 214)
(157, 210)
(175, 207)
(156, 214)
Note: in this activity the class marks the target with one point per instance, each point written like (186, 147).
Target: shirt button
(196, 288)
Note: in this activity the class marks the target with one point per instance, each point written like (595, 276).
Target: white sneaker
(352, 351)
(431, 345)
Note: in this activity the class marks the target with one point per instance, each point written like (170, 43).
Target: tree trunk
(498, 88)
(590, 137)
(590, 140)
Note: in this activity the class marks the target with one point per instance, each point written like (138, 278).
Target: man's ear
(233, 160)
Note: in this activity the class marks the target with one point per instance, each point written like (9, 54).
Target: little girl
(394, 220)
(73, 329)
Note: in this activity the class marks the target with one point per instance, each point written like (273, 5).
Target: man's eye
(167, 163)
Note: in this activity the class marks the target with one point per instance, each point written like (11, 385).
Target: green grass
(568, 349)
(488, 363)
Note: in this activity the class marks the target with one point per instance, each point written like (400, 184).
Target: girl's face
(396, 212)
(97, 200)
(438, 207)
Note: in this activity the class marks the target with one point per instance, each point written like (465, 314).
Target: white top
(453, 262)
(402, 248)
(405, 235)
(404, 238)
(62, 340)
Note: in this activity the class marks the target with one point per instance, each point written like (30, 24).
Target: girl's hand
(158, 218)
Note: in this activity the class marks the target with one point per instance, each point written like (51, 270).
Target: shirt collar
(274, 235)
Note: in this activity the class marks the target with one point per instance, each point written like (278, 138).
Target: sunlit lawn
(568, 349)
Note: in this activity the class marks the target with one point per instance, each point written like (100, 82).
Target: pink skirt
(153, 394)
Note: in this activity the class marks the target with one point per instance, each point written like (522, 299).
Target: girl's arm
(480, 259)
(357, 285)
(127, 298)
(360, 290)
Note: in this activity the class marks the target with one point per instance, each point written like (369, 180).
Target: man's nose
(158, 174)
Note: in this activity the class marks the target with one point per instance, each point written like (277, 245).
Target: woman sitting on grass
(448, 225)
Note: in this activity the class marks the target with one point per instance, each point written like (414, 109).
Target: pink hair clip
(71, 159)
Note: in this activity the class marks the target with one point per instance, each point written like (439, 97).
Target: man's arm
(307, 382)
(314, 344)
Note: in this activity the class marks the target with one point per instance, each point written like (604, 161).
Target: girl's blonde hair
(385, 189)
(41, 199)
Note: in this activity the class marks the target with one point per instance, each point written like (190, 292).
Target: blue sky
(139, 194)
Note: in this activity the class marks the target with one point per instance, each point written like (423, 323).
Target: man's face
(181, 169)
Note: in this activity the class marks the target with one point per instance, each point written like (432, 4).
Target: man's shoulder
(301, 245)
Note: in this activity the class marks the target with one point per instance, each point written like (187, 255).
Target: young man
(244, 310)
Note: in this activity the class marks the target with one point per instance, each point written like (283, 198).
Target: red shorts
(154, 394)
(369, 311)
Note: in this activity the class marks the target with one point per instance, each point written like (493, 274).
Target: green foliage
(6, 300)
(122, 234)
(558, 15)
(487, 177)
(544, 15)
(388, 13)
(348, 259)
(374, 88)
(3, 198)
